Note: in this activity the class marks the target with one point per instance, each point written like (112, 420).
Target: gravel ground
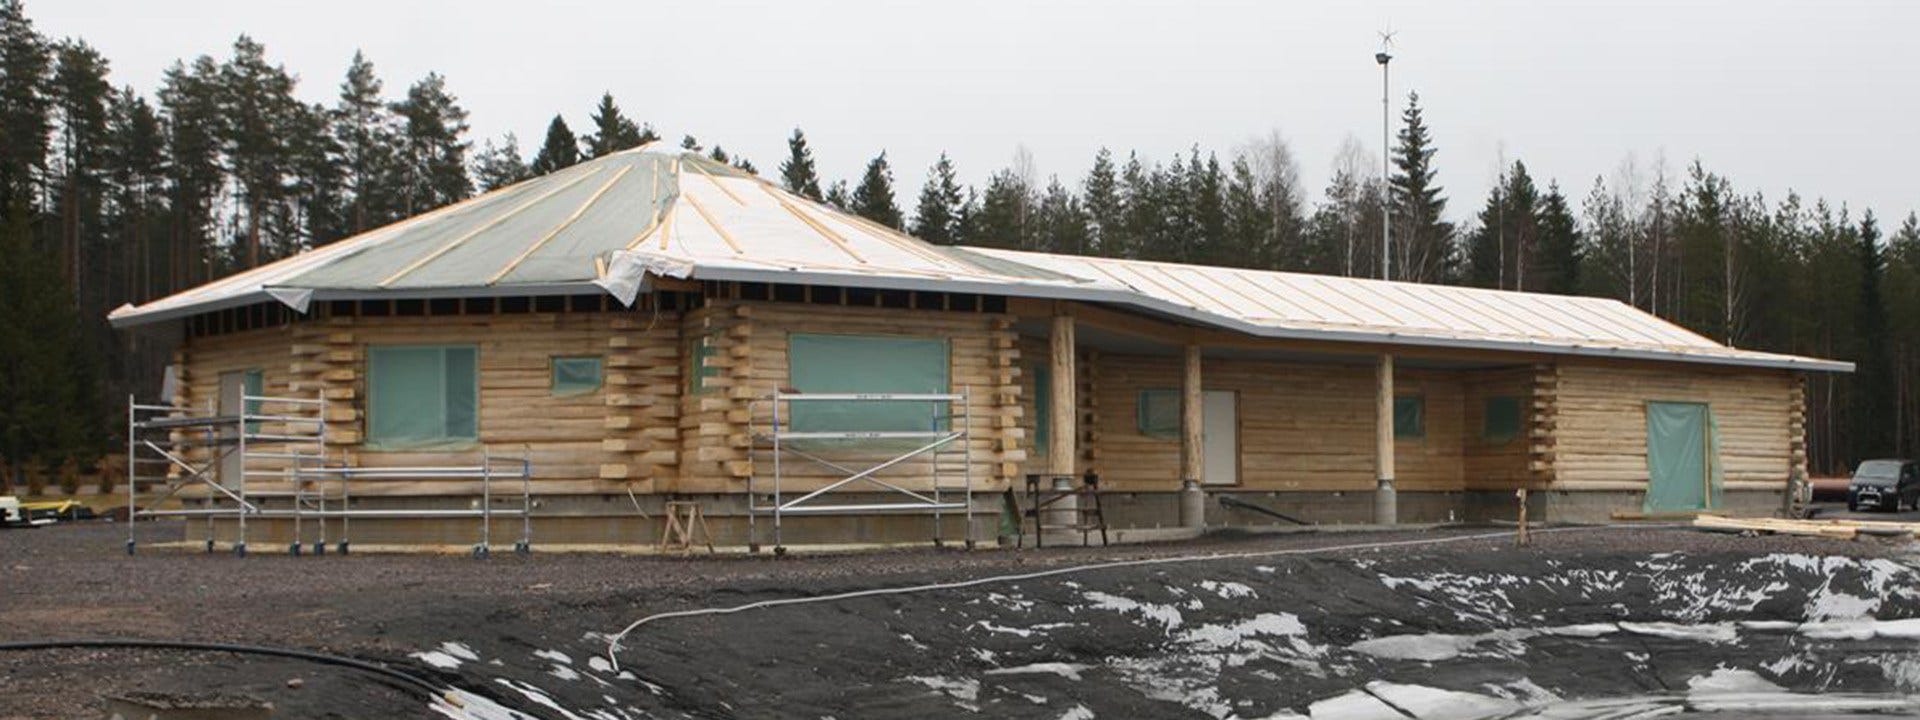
(74, 581)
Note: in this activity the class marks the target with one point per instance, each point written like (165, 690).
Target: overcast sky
(1815, 96)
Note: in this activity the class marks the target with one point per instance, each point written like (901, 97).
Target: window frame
(446, 440)
(1486, 419)
(1418, 430)
(809, 416)
(1140, 410)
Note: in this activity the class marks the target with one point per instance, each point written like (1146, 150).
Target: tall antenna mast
(1386, 159)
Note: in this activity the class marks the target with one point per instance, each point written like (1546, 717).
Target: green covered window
(1042, 408)
(1410, 416)
(253, 384)
(1501, 422)
(1159, 413)
(422, 395)
(700, 366)
(867, 364)
(576, 375)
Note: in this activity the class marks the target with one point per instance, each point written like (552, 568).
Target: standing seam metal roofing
(610, 223)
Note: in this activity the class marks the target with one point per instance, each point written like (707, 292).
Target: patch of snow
(538, 696)
(1070, 671)
(1220, 637)
(1712, 633)
(1355, 705)
(964, 691)
(1431, 703)
(1429, 647)
(1228, 590)
(554, 655)
(437, 659)
(463, 705)
(1077, 712)
(1725, 680)
(564, 673)
(599, 664)
(1166, 615)
(459, 650)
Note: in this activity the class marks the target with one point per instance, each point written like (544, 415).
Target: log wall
(1600, 431)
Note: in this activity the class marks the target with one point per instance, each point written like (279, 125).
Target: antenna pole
(1386, 161)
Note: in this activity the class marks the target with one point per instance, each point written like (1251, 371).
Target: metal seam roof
(606, 224)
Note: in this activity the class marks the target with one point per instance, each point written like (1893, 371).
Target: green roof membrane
(619, 215)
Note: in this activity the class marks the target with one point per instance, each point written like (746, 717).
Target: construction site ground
(1284, 628)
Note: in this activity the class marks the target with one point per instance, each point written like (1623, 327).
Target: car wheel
(1853, 505)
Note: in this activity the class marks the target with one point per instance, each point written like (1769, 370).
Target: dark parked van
(1884, 485)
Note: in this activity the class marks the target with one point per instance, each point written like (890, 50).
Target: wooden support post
(1193, 456)
(1521, 539)
(1386, 505)
(1062, 413)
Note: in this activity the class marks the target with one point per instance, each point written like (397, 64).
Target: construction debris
(1835, 529)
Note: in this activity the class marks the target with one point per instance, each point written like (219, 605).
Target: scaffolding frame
(318, 490)
(779, 439)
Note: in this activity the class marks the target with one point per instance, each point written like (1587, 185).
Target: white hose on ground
(613, 643)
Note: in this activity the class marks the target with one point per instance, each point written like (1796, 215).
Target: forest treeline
(112, 195)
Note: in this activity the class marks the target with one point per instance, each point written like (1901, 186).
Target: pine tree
(81, 98)
(1422, 239)
(560, 151)
(257, 100)
(495, 167)
(365, 133)
(433, 151)
(25, 112)
(612, 131)
(48, 413)
(873, 197)
(936, 217)
(137, 158)
(719, 154)
(1106, 215)
(1248, 224)
(797, 174)
(688, 142)
(190, 102)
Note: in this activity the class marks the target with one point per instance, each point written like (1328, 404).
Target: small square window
(576, 376)
(1410, 417)
(1501, 423)
(1159, 413)
(701, 369)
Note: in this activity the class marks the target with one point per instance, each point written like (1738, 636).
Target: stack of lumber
(1837, 529)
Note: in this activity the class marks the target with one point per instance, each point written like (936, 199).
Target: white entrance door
(1220, 438)
(233, 387)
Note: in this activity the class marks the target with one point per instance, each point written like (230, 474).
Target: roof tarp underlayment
(608, 224)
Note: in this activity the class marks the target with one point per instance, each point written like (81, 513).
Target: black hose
(399, 676)
(1231, 501)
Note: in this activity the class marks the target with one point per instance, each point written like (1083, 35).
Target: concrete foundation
(613, 520)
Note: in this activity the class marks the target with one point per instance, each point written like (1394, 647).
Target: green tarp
(1042, 409)
(575, 376)
(1683, 457)
(422, 396)
(1502, 420)
(867, 364)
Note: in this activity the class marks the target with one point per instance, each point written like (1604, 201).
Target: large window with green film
(867, 364)
(1158, 414)
(1410, 417)
(422, 396)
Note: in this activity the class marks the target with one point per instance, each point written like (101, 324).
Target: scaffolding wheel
(970, 543)
(343, 547)
(779, 550)
(129, 547)
(209, 545)
(480, 551)
(523, 548)
(294, 549)
(753, 548)
(319, 549)
(240, 549)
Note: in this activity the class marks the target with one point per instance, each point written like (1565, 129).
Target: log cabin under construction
(653, 327)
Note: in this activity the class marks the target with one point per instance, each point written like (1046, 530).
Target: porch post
(1062, 413)
(1386, 504)
(1192, 419)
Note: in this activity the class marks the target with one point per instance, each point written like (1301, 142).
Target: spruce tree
(936, 217)
(612, 131)
(1422, 239)
(689, 142)
(797, 174)
(495, 167)
(25, 111)
(1005, 216)
(48, 414)
(719, 154)
(1872, 382)
(1060, 222)
(1556, 260)
(838, 196)
(873, 197)
(1248, 225)
(433, 148)
(560, 151)
(1106, 216)
(1508, 233)
(365, 133)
